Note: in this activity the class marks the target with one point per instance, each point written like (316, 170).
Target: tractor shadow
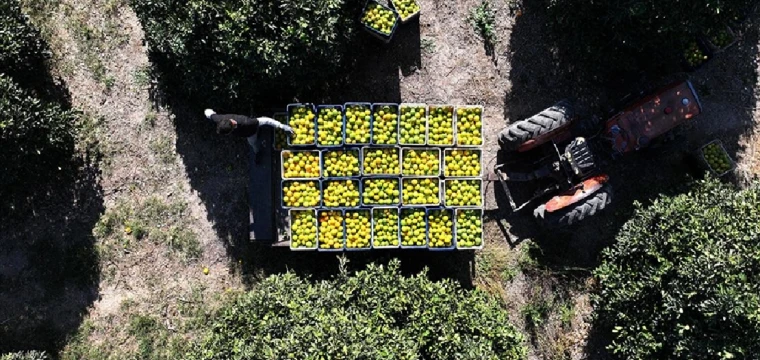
(544, 71)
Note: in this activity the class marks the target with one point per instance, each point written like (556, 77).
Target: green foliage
(483, 19)
(26, 355)
(373, 314)
(22, 51)
(37, 137)
(232, 49)
(629, 34)
(683, 279)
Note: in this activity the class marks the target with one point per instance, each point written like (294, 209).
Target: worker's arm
(274, 123)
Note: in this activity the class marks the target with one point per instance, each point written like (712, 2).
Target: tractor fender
(577, 193)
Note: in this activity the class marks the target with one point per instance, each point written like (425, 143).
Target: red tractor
(549, 150)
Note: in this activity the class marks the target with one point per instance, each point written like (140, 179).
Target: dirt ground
(166, 175)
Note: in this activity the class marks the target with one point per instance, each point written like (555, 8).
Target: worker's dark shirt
(245, 126)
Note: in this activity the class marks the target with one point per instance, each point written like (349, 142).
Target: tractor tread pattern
(586, 208)
(545, 122)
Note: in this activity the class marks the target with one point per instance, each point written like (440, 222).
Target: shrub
(22, 51)
(683, 279)
(37, 138)
(637, 34)
(373, 314)
(26, 355)
(224, 50)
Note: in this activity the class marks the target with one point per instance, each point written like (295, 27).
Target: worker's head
(225, 126)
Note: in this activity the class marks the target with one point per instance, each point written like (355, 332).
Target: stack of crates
(381, 183)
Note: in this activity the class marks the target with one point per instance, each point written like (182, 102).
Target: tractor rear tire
(537, 126)
(583, 209)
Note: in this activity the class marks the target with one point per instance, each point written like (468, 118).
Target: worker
(244, 126)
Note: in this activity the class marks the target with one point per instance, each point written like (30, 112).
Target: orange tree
(227, 50)
(683, 279)
(637, 34)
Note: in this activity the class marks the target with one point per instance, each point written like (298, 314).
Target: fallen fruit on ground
(330, 126)
(463, 193)
(385, 125)
(303, 229)
(301, 193)
(421, 162)
(469, 228)
(358, 122)
(301, 119)
(717, 158)
(406, 8)
(381, 161)
(358, 229)
(441, 228)
(413, 227)
(462, 163)
(419, 191)
(380, 192)
(380, 18)
(330, 230)
(385, 227)
(280, 137)
(341, 193)
(441, 125)
(413, 125)
(300, 164)
(341, 163)
(469, 126)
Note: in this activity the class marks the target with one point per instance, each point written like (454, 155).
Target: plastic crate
(453, 236)
(482, 239)
(386, 38)
(407, 149)
(413, 105)
(369, 245)
(314, 109)
(367, 148)
(448, 151)
(446, 184)
(407, 179)
(398, 118)
(401, 235)
(398, 227)
(718, 49)
(323, 171)
(282, 164)
(364, 180)
(707, 164)
(408, 18)
(324, 187)
(345, 123)
(456, 126)
(343, 245)
(282, 194)
(453, 124)
(705, 50)
(342, 126)
(281, 117)
(290, 231)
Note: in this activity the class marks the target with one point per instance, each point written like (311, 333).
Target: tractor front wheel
(583, 209)
(538, 128)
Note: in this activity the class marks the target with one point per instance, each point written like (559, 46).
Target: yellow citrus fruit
(469, 228)
(300, 164)
(358, 229)
(462, 163)
(469, 126)
(413, 125)
(331, 230)
(330, 126)
(385, 125)
(464, 192)
(385, 228)
(413, 227)
(441, 225)
(303, 228)
(441, 125)
(380, 191)
(381, 161)
(420, 191)
(421, 162)
(358, 124)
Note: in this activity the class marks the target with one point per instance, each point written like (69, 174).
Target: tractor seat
(579, 157)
